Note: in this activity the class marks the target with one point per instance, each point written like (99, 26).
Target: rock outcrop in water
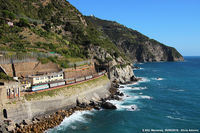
(108, 105)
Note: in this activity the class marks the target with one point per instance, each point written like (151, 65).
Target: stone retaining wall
(81, 71)
(29, 68)
(28, 109)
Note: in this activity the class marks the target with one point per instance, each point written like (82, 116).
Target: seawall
(45, 102)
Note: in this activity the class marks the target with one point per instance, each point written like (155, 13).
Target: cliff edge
(138, 47)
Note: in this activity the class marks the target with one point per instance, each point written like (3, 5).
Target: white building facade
(46, 78)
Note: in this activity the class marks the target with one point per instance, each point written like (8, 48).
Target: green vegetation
(57, 26)
(3, 76)
(54, 92)
(38, 19)
(8, 14)
(43, 60)
(23, 22)
(121, 65)
(138, 46)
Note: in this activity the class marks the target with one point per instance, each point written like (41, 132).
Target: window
(37, 78)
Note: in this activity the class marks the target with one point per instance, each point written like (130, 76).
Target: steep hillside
(48, 25)
(135, 45)
(51, 26)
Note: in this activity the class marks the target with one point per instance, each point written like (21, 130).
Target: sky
(175, 23)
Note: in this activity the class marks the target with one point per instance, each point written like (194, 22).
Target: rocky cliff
(120, 70)
(138, 47)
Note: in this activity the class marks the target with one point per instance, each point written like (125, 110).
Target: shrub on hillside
(23, 23)
(5, 77)
(8, 14)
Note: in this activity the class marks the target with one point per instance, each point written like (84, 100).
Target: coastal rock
(136, 67)
(120, 93)
(122, 74)
(26, 122)
(138, 47)
(121, 87)
(3, 128)
(97, 107)
(115, 97)
(83, 105)
(11, 128)
(108, 105)
(119, 69)
(114, 85)
(77, 102)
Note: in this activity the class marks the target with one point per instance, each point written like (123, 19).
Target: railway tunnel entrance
(5, 115)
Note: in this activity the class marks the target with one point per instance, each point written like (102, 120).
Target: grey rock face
(150, 51)
(120, 69)
(122, 74)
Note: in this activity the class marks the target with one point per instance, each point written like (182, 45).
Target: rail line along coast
(36, 88)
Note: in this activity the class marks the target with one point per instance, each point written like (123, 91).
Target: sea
(166, 100)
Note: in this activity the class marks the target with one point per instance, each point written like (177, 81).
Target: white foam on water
(73, 127)
(77, 116)
(127, 99)
(130, 107)
(128, 87)
(141, 97)
(135, 97)
(158, 79)
(139, 88)
(176, 90)
(138, 69)
(146, 97)
(116, 103)
(120, 106)
(175, 118)
(144, 79)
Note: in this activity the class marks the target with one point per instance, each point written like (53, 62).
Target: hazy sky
(172, 22)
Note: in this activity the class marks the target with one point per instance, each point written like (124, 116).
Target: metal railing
(5, 58)
(80, 63)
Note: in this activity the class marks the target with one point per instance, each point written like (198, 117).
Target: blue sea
(168, 97)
